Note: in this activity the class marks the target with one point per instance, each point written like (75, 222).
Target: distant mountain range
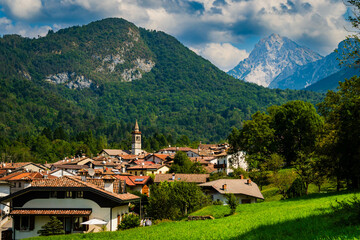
(277, 62)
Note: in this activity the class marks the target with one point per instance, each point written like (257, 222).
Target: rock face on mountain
(306, 75)
(272, 56)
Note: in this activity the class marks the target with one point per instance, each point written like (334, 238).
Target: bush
(297, 189)
(232, 202)
(217, 202)
(129, 221)
(53, 227)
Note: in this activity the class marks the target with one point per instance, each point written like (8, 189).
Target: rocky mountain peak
(271, 56)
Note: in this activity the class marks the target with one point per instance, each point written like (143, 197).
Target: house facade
(147, 169)
(226, 162)
(71, 200)
(244, 190)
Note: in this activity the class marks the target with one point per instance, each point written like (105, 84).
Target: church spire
(136, 126)
(136, 140)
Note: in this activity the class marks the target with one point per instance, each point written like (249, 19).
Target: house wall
(33, 168)
(61, 173)
(4, 191)
(239, 159)
(192, 154)
(15, 185)
(162, 170)
(221, 197)
(97, 212)
(39, 222)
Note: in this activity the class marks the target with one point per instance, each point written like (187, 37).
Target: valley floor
(308, 217)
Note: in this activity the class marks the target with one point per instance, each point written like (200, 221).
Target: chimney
(83, 178)
(109, 183)
(241, 176)
(224, 186)
(249, 181)
(173, 177)
(122, 187)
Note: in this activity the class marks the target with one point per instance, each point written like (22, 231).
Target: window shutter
(17, 222)
(32, 222)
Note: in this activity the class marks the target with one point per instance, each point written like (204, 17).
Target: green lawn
(303, 218)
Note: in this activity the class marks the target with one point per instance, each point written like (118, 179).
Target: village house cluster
(78, 189)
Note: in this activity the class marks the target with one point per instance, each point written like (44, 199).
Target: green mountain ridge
(332, 82)
(104, 75)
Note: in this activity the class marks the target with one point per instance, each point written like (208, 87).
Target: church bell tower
(136, 140)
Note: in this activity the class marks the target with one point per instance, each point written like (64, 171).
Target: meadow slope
(309, 217)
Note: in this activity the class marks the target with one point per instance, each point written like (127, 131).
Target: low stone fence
(194, 218)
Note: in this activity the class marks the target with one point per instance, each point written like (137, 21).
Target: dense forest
(183, 99)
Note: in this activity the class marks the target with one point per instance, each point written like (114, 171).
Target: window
(24, 222)
(80, 194)
(68, 194)
(53, 194)
(19, 184)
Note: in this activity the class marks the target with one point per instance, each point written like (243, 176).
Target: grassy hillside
(309, 217)
(182, 94)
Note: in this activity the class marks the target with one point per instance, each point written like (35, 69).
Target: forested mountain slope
(106, 74)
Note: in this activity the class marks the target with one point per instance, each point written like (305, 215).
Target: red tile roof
(50, 212)
(14, 165)
(68, 181)
(22, 176)
(133, 180)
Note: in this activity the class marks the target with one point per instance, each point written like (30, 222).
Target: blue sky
(223, 31)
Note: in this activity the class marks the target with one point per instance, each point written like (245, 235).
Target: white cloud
(8, 27)
(224, 55)
(24, 9)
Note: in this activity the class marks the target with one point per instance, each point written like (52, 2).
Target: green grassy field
(309, 217)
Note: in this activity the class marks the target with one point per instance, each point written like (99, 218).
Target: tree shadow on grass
(322, 195)
(323, 226)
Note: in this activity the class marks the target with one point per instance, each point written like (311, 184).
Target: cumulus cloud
(8, 27)
(23, 9)
(317, 24)
(223, 55)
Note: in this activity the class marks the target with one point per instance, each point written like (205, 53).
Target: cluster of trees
(53, 145)
(182, 164)
(315, 146)
(172, 200)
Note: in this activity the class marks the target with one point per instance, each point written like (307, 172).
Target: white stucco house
(244, 190)
(71, 200)
(226, 162)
